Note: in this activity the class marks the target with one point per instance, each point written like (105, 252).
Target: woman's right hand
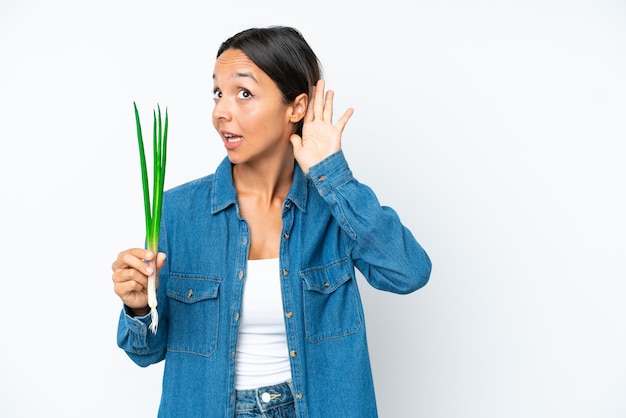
(130, 276)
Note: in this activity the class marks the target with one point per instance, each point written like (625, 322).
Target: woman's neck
(266, 179)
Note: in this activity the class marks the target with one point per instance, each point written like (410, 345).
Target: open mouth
(230, 138)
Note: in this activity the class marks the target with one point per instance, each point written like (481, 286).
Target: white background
(495, 129)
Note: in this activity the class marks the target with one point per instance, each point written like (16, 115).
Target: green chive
(153, 211)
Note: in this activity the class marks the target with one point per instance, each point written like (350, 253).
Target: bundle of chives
(153, 213)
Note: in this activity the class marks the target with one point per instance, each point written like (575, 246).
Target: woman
(259, 309)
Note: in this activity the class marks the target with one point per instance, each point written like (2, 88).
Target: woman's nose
(221, 110)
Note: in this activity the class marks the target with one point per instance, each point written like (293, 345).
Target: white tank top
(262, 352)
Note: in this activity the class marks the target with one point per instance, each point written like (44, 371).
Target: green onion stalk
(153, 209)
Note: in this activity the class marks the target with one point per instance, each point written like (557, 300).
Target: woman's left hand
(320, 138)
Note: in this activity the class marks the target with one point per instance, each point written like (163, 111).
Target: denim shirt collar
(225, 194)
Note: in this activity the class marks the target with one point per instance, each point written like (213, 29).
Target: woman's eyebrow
(242, 75)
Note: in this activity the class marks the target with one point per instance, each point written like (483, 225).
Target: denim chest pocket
(331, 306)
(194, 314)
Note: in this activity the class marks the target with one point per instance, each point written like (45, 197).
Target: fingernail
(149, 270)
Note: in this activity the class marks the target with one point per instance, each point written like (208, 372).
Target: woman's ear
(298, 108)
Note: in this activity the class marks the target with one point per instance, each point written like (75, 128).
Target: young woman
(260, 315)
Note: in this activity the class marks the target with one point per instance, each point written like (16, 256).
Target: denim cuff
(138, 326)
(331, 172)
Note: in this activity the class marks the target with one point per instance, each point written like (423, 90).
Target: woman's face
(249, 112)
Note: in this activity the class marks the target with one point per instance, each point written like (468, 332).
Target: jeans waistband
(264, 398)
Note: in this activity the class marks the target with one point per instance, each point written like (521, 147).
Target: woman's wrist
(138, 311)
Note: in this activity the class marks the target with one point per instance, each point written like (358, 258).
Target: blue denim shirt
(331, 224)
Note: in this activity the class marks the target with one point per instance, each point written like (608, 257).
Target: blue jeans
(266, 402)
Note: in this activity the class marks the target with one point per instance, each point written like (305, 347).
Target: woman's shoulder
(201, 184)
(193, 184)
(187, 190)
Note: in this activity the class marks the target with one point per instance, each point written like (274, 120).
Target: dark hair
(283, 54)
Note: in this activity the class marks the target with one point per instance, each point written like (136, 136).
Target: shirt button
(326, 284)
(245, 240)
(321, 179)
(285, 272)
(236, 316)
(240, 274)
(298, 396)
(190, 293)
(293, 353)
(266, 397)
(289, 314)
(286, 235)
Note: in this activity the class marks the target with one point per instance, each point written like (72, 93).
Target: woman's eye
(244, 94)
(217, 94)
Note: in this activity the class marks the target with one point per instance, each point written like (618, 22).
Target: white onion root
(152, 302)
